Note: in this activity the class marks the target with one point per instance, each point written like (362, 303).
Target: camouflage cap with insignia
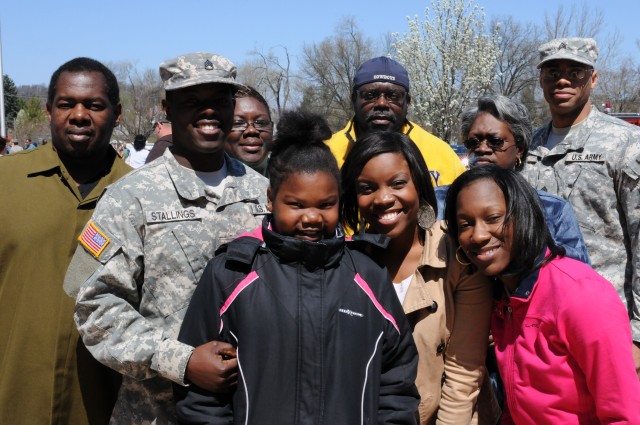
(581, 50)
(197, 68)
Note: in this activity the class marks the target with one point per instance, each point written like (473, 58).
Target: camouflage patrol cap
(582, 50)
(197, 68)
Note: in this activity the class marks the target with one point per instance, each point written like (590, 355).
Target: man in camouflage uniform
(593, 161)
(146, 246)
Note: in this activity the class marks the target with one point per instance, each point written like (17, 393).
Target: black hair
(139, 142)
(87, 65)
(374, 144)
(251, 92)
(299, 148)
(523, 212)
(3, 143)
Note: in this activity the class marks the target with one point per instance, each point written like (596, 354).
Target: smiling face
(201, 117)
(567, 95)
(251, 145)
(81, 116)
(387, 197)
(486, 127)
(480, 216)
(380, 106)
(306, 206)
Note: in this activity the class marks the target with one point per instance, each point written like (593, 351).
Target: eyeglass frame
(155, 123)
(491, 143)
(565, 73)
(267, 127)
(384, 93)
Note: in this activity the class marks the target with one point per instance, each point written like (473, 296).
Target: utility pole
(3, 125)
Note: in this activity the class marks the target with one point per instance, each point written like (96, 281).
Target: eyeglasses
(260, 125)
(155, 123)
(571, 74)
(494, 143)
(394, 96)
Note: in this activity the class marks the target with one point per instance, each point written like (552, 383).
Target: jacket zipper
(508, 380)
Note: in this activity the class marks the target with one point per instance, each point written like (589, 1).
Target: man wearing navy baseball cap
(380, 100)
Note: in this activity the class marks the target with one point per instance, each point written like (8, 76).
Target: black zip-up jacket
(320, 334)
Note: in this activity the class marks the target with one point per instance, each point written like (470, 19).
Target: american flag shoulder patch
(93, 239)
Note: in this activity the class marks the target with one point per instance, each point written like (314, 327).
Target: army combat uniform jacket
(140, 258)
(597, 169)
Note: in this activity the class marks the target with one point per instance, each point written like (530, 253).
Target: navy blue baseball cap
(381, 69)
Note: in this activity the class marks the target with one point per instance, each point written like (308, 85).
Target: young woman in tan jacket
(387, 190)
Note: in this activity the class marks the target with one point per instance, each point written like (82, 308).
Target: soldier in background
(592, 160)
(162, 128)
(146, 246)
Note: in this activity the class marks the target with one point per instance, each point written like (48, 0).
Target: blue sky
(38, 36)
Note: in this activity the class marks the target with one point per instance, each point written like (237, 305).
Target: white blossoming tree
(451, 60)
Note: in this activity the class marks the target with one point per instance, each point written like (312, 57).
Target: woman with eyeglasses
(557, 324)
(250, 137)
(497, 130)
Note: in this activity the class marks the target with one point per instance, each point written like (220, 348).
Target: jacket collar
(574, 141)
(45, 160)
(191, 188)
(313, 255)
(434, 253)
(527, 283)
(350, 129)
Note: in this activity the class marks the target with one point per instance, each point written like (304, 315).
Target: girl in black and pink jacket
(319, 332)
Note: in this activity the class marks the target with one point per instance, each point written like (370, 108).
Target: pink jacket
(563, 344)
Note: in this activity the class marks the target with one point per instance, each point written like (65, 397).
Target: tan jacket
(449, 310)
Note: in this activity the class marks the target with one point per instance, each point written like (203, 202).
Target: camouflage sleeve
(628, 189)
(107, 306)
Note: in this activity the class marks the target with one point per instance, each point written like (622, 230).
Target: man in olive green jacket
(46, 374)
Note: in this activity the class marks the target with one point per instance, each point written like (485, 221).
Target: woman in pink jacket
(557, 324)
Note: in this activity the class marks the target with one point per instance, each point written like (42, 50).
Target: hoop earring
(426, 216)
(518, 162)
(458, 257)
(362, 226)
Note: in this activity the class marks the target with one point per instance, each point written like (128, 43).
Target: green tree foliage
(12, 103)
(32, 121)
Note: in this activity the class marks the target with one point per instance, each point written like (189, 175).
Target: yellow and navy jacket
(444, 164)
